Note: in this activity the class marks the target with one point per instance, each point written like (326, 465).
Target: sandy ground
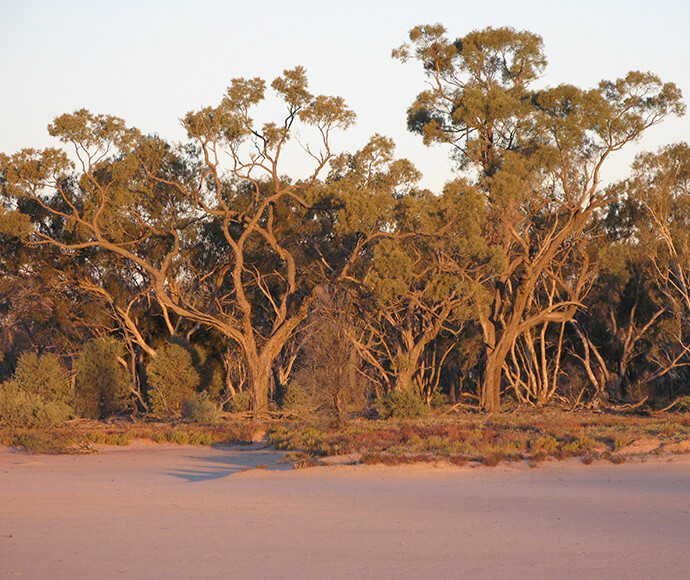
(163, 511)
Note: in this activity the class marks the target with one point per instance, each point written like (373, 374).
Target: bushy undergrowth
(21, 409)
(489, 441)
(103, 383)
(200, 409)
(79, 438)
(294, 397)
(38, 395)
(172, 380)
(240, 403)
(404, 404)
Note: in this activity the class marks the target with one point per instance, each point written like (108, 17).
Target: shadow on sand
(236, 459)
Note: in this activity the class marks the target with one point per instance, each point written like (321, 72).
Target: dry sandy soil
(163, 511)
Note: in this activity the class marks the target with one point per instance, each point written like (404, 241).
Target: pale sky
(151, 61)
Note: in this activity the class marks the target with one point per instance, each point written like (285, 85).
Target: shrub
(544, 443)
(200, 439)
(294, 397)
(43, 376)
(405, 404)
(172, 379)
(328, 372)
(52, 442)
(38, 395)
(178, 437)
(103, 384)
(438, 400)
(21, 409)
(240, 403)
(200, 409)
(579, 446)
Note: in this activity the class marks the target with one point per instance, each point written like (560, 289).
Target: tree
(657, 197)
(416, 285)
(218, 234)
(537, 157)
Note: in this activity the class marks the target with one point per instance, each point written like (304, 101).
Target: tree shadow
(234, 462)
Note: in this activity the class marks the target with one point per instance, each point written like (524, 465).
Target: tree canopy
(526, 275)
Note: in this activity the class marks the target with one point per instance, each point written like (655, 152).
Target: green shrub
(200, 439)
(178, 437)
(405, 404)
(44, 376)
(240, 403)
(172, 379)
(544, 443)
(200, 409)
(51, 442)
(294, 397)
(579, 446)
(103, 384)
(211, 371)
(38, 395)
(438, 400)
(21, 409)
(121, 439)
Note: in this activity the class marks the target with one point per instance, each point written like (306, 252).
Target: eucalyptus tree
(38, 310)
(537, 156)
(218, 233)
(658, 201)
(418, 285)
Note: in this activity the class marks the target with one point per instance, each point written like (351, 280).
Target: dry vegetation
(80, 436)
(532, 436)
(489, 439)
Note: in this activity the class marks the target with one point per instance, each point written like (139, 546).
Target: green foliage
(240, 403)
(294, 397)
(52, 441)
(328, 375)
(14, 223)
(178, 437)
(38, 395)
(200, 409)
(172, 379)
(544, 443)
(237, 249)
(210, 369)
(103, 383)
(19, 408)
(403, 404)
(114, 438)
(44, 376)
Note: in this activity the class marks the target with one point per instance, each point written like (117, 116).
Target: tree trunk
(490, 395)
(259, 379)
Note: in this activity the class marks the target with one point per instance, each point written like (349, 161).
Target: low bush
(52, 442)
(103, 383)
(240, 403)
(21, 409)
(38, 395)
(200, 409)
(294, 397)
(404, 404)
(172, 380)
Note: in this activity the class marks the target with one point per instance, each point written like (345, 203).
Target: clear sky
(151, 61)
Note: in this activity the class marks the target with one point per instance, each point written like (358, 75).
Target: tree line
(205, 269)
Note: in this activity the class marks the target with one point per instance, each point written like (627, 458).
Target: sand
(163, 511)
